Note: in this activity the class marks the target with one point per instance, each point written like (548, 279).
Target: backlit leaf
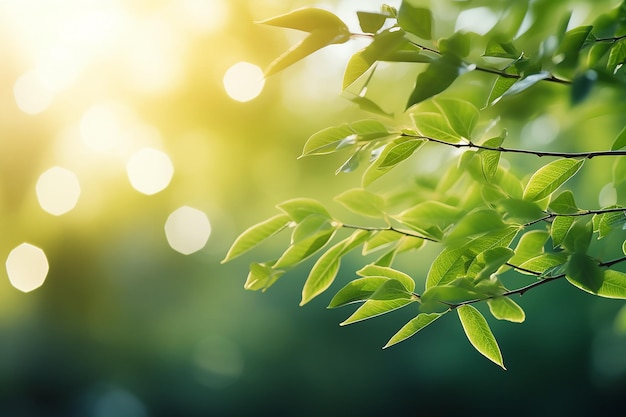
(362, 202)
(479, 334)
(330, 140)
(461, 115)
(543, 263)
(262, 276)
(371, 22)
(613, 285)
(620, 141)
(380, 271)
(381, 240)
(560, 228)
(412, 327)
(499, 49)
(356, 291)
(299, 209)
(550, 177)
(325, 270)
(434, 125)
(564, 203)
(503, 308)
(257, 234)
(324, 29)
(374, 308)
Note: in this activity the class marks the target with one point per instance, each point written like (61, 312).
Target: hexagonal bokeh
(149, 170)
(27, 267)
(187, 230)
(58, 190)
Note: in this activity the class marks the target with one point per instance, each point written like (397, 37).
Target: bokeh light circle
(244, 81)
(58, 190)
(31, 94)
(149, 170)
(187, 230)
(27, 267)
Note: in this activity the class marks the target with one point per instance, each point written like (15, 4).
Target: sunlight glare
(58, 190)
(204, 15)
(27, 267)
(31, 94)
(187, 230)
(244, 81)
(479, 20)
(101, 127)
(149, 171)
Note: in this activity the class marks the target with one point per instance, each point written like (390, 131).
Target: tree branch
(391, 229)
(471, 145)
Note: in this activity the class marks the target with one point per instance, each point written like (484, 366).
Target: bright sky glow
(31, 94)
(27, 267)
(244, 81)
(479, 20)
(149, 171)
(187, 230)
(102, 125)
(58, 190)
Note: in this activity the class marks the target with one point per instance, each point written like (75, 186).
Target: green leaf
(311, 235)
(620, 141)
(543, 264)
(564, 203)
(613, 285)
(530, 245)
(434, 125)
(479, 334)
(356, 291)
(569, 48)
(491, 159)
(330, 140)
(257, 234)
(299, 209)
(550, 177)
(461, 115)
(584, 272)
(503, 308)
(428, 216)
(451, 262)
(559, 229)
(605, 223)
(380, 240)
(391, 290)
(418, 323)
(488, 262)
(501, 86)
(380, 271)
(520, 211)
(392, 154)
(371, 22)
(362, 202)
(458, 44)
(435, 299)
(262, 276)
(477, 222)
(616, 56)
(499, 49)
(324, 29)
(439, 75)
(374, 308)
(416, 20)
(369, 129)
(325, 269)
(578, 236)
(525, 83)
(399, 152)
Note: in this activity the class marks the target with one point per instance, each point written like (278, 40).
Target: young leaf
(388, 297)
(530, 245)
(418, 323)
(416, 20)
(257, 234)
(262, 276)
(308, 237)
(499, 49)
(461, 115)
(381, 240)
(380, 271)
(491, 159)
(605, 223)
(434, 125)
(325, 269)
(330, 140)
(501, 86)
(550, 177)
(619, 169)
(356, 291)
(542, 264)
(616, 56)
(424, 216)
(371, 22)
(503, 308)
(324, 29)
(362, 202)
(299, 209)
(479, 334)
(559, 229)
(525, 83)
(564, 203)
(392, 154)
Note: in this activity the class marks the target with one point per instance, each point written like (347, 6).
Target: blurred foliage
(126, 326)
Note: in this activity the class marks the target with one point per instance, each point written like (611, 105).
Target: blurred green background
(126, 326)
